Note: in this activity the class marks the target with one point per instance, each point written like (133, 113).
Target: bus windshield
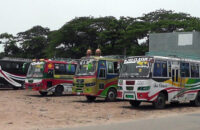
(135, 68)
(86, 67)
(35, 70)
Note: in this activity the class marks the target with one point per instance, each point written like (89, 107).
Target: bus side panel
(112, 83)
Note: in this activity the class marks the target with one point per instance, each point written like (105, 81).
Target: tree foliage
(113, 36)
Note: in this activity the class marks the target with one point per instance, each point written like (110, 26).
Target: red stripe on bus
(107, 85)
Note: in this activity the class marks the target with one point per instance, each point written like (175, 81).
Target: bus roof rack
(115, 56)
(172, 54)
(16, 59)
(65, 59)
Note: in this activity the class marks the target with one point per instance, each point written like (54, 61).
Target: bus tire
(90, 98)
(196, 102)
(134, 103)
(111, 95)
(43, 93)
(160, 102)
(59, 90)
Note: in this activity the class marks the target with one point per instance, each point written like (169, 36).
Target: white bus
(158, 79)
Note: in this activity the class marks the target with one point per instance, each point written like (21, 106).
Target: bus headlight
(144, 88)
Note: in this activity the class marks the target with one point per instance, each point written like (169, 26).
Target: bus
(97, 76)
(13, 72)
(159, 79)
(51, 76)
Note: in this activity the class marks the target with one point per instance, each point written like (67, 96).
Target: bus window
(160, 69)
(70, 69)
(116, 67)
(8, 66)
(102, 73)
(110, 67)
(185, 72)
(157, 70)
(60, 69)
(50, 73)
(3, 65)
(164, 69)
(194, 70)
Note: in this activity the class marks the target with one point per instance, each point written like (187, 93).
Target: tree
(73, 39)
(113, 36)
(33, 42)
(10, 45)
(169, 21)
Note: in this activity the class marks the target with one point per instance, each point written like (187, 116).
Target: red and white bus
(51, 76)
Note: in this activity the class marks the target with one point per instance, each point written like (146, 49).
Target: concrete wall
(175, 43)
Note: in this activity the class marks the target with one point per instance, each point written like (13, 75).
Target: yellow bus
(97, 76)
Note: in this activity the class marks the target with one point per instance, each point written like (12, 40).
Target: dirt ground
(22, 109)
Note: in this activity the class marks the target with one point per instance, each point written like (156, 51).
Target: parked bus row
(154, 79)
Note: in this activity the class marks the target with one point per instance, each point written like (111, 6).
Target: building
(177, 44)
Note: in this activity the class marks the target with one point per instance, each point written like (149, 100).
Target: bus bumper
(120, 95)
(35, 86)
(141, 96)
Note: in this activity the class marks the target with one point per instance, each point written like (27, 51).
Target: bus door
(102, 75)
(175, 75)
(176, 78)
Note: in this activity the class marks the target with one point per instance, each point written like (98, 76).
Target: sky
(21, 15)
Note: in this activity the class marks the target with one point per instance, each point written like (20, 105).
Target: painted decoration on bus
(136, 67)
(139, 60)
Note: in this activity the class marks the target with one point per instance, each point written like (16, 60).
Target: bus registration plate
(129, 96)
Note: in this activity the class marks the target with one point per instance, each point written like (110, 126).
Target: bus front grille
(79, 85)
(129, 88)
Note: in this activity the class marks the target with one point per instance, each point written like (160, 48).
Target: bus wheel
(43, 93)
(111, 95)
(58, 90)
(160, 101)
(196, 102)
(90, 98)
(134, 103)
